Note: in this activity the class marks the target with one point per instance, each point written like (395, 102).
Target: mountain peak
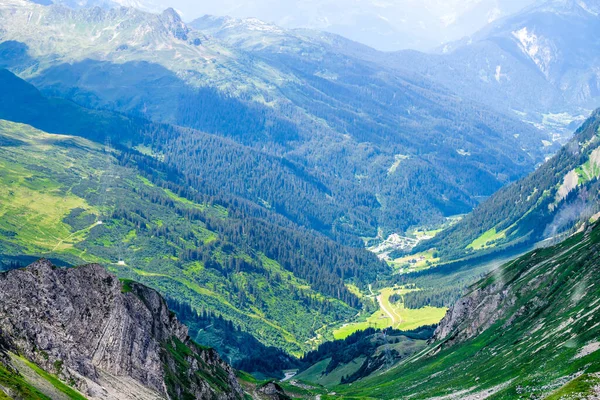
(171, 14)
(217, 23)
(174, 24)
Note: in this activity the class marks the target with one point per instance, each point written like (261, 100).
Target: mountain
(385, 26)
(555, 200)
(345, 124)
(528, 329)
(540, 63)
(212, 254)
(70, 333)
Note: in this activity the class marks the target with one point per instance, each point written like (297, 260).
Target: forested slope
(553, 200)
(161, 225)
(354, 138)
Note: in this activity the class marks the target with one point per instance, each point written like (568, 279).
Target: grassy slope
(403, 318)
(16, 383)
(54, 191)
(68, 391)
(316, 373)
(32, 203)
(550, 340)
(32, 382)
(486, 240)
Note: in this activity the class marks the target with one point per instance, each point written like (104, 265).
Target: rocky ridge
(94, 331)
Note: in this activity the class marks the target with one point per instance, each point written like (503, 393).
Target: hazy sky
(384, 24)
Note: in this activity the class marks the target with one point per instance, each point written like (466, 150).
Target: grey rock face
(471, 315)
(174, 24)
(78, 324)
(274, 391)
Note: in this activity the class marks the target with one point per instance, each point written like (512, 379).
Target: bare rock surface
(109, 342)
(471, 315)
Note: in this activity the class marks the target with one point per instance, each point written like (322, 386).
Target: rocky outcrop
(87, 327)
(273, 391)
(473, 314)
(174, 25)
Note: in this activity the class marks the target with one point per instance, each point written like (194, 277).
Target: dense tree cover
(341, 349)
(432, 297)
(239, 348)
(360, 343)
(215, 166)
(210, 111)
(527, 211)
(322, 262)
(196, 169)
(344, 134)
(433, 181)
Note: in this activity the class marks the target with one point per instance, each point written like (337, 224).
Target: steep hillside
(347, 122)
(361, 354)
(528, 330)
(555, 199)
(227, 168)
(75, 201)
(539, 64)
(82, 328)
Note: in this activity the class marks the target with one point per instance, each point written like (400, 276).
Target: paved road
(394, 316)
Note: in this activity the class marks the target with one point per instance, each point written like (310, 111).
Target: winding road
(394, 316)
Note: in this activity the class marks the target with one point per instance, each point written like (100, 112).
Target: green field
(487, 239)
(393, 315)
(415, 262)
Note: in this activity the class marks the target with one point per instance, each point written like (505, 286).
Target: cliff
(108, 339)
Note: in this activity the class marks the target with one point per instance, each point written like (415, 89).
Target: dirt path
(75, 233)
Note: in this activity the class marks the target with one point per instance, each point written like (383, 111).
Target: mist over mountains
(385, 25)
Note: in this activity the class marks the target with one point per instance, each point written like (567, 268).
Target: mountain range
(382, 25)
(347, 123)
(115, 205)
(531, 62)
(327, 220)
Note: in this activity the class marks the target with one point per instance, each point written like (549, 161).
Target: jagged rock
(274, 391)
(471, 315)
(84, 325)
(174, 24)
